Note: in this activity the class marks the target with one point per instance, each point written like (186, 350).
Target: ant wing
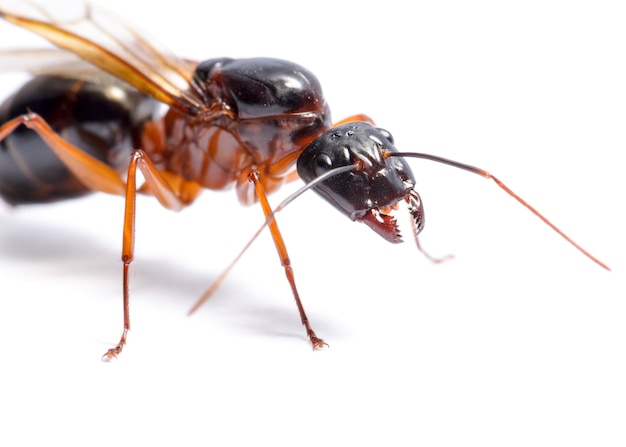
(106, 41)
(46, 61)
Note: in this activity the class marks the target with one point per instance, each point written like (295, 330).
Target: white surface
(518, 341)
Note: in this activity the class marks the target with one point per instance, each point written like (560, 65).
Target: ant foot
(113, 353)
(317, 343)
(110, 355)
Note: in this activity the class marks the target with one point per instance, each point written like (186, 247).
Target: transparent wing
(46, 61)
(106, 41)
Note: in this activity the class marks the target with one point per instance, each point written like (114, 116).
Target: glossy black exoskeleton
(376, 185)
(102, 116)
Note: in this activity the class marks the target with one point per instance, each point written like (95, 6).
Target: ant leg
(317, 342)
(99, 176)
(171, 198)
(93, 173)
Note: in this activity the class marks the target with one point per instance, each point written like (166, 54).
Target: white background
(519, 340)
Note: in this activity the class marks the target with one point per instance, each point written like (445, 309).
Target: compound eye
(323, 164)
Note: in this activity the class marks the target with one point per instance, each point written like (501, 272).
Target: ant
(245, 123)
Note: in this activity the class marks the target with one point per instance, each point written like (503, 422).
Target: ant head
(371, 191)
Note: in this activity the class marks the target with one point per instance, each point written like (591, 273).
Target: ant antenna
(207, 294)
(508, 190)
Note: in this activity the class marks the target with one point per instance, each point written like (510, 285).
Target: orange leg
(317, 343)
(169, 197)
(99, 176)
(93, 173)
